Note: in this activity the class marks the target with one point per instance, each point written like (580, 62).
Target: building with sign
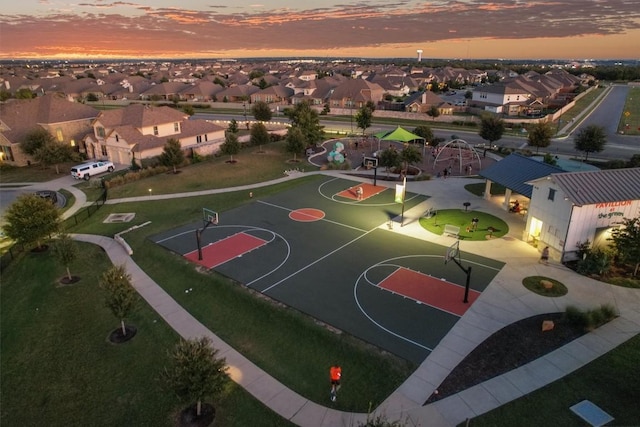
(570, 208)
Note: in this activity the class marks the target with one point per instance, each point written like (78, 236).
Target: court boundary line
(339, 248)
(264, 243)
(387, 330)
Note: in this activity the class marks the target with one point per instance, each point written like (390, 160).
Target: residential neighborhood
(67, 98)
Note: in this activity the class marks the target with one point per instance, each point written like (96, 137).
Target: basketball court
(325, 251)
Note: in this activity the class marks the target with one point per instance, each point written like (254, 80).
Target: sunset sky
(465, 29)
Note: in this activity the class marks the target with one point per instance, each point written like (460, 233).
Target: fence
(85, 213)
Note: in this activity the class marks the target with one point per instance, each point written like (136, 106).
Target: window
(104, 150)
(155, 130)
(117, 138)
(176, 127)
(100, 131)
(59, 135)
(199, 138)
(552, 194)
(206, 138)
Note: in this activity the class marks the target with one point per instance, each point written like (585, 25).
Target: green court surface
(322, 251)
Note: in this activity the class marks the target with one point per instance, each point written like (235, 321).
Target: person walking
(335, 376)
(544, 258)
(359, 192)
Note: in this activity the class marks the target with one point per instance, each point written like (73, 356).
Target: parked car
(87, 170)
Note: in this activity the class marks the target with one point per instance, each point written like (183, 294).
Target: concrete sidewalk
(503, 302)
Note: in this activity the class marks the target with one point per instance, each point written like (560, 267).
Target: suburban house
(422, 102)
(526, 94)
(67, 121)
(140, 132)
(355, 93)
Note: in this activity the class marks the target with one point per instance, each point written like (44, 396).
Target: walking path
(503, 302)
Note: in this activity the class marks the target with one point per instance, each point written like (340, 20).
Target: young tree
(389, 159)
(425, 132)
(35, 140)
(172, 155)
(364, 117)
(590, 139)
(626, 241)
(433, 112)
(121, 298)
(540, 135)
(491, 128)
(410, 155)
(295, 141)
(261, 111)
(197, 372)
(233, 126)
(259, 135)
(65, 251)
(53, 153)
(30, 219)
(188, 109)
(230, 146)
(307, 120)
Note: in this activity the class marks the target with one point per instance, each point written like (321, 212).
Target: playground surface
(325, 251)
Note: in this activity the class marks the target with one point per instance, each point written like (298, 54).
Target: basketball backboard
(209, 217)
(452, 251)
(370, 162)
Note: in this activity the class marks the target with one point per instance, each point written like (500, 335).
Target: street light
(149, 192)
(244, 105)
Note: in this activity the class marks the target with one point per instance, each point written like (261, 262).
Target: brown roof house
(67, 121)
(140, 132)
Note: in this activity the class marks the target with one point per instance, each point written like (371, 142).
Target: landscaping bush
(590, 319)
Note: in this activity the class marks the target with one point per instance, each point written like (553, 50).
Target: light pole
(149, 193)
(244, 105)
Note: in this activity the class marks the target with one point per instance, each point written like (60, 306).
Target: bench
(452, 230)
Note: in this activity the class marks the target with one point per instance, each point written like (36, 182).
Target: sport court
(320, 250)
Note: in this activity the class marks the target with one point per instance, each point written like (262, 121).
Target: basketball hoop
(452, 252)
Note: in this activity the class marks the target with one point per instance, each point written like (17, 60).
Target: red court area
(429, 290)
(219, 252)
(368, 190)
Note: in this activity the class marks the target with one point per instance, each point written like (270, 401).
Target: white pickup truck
(87, 170)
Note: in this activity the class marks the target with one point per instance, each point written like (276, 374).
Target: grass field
(252, 165)
(58, 368)
(461, 218)
(630, 120)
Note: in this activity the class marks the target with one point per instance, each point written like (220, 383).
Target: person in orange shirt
(335, 375)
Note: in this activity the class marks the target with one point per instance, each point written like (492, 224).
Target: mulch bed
(188, 417)
(509, 348)
(117, 337)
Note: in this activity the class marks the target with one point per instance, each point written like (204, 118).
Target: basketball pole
(199, 238)
(468, 283)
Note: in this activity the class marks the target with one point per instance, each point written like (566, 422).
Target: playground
(328, 249)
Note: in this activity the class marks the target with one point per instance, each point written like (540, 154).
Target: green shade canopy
(398, 134)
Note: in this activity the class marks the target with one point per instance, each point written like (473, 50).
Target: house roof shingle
(603, 186)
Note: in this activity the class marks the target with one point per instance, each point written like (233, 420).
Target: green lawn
(58, 368)
(251, 166)
(630, 119)
(462, 219)
(611, 382)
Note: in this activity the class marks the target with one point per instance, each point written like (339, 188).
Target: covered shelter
(399, 134)
(515, 172)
